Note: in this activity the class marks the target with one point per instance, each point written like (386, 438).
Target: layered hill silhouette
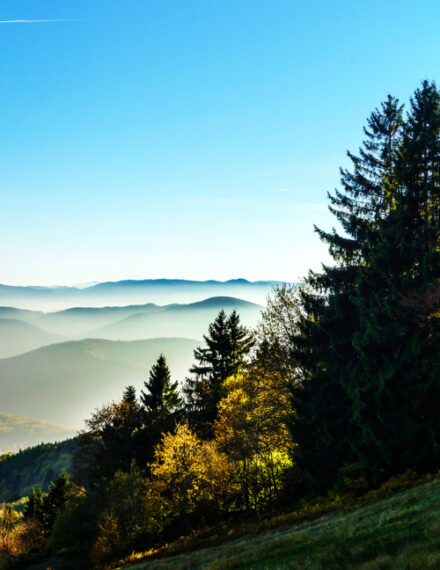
(79, 321)
(17, 336)
(159, 291)
(21, 314)
(59, 366)
(187, 321)
(63, 383)
(19, 432)
(138, 322)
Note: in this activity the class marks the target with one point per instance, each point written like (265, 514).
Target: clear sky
(191, 139)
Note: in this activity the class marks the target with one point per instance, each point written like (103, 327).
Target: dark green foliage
(34, 467)
(162, 404)
(45, 509)
(368, 343)
(125, 500)
(162, 396)
(323, 425)
(111, 442)
(396, 381)
(76, 527)
(228, 344)
(54, 502)
(129, 397)
(34, 506)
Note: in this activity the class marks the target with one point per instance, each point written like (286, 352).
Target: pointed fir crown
(162, 394)
(366, 193)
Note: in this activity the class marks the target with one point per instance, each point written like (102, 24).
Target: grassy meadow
(399, 532)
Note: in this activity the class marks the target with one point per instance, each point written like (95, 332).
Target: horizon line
(95, 283)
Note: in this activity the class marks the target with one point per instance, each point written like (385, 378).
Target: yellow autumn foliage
(251, 430)
(190, 473)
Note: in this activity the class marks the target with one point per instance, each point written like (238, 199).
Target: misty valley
(70, 361)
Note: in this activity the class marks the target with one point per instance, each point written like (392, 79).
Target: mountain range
(161, 291)
(131, 322)
(58, 366)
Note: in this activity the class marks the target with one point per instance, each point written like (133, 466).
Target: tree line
(339, 384)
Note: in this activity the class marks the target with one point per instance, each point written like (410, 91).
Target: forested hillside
(33, 467)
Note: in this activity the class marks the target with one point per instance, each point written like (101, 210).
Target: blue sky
(191, 139)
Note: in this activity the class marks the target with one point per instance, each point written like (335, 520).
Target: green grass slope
(399, 532)
(63, 383)
(18, 432)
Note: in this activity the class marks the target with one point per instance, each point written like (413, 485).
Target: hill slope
(18, 336)
(82, 320)
(137, 322)
(34, 467)
(21, 314)
(187, 321)
(402, 532)
(64, 382)
(18, 432)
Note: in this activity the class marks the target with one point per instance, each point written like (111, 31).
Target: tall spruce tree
(161, 403)
(395, 384)
(323, 424)
(54, 502)
(227, 345)
(34, 505)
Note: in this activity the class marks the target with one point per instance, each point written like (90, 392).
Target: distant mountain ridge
(131, 291)
(184, 320)
(190, 320)
(19, 432)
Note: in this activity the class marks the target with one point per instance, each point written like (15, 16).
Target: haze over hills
(21, 314)
(63, 383)
(79, 321)
(188, 321)
(160, 291)
(59, 366)
(137, 322)
(19, 432)
(18, 336)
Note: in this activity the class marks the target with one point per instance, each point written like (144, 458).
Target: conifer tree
(55, 501)
(162, 397)
(395, 382)
(323, 424)
(34, 506)
(161, 403)
(111, 441)
(227, 345)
